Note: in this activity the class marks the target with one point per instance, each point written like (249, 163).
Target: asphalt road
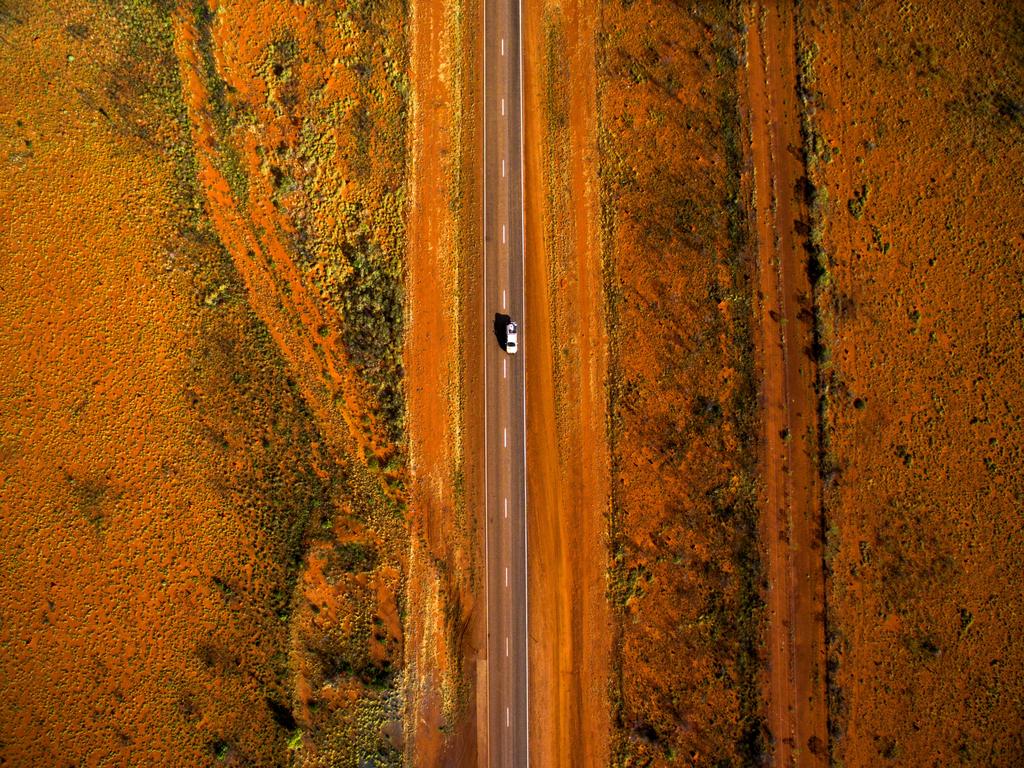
(504, 389)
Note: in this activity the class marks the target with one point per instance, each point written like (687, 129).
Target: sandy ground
(222, 538)
(142, 423)
(918, 106)
(790, 503)
(684, 576)
(444, 634)
(566, 402)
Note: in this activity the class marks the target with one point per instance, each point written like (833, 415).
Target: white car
(511, 337)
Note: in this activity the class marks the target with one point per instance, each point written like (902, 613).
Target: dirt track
(568, 482)
(791, 497)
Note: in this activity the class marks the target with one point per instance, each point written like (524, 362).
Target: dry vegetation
(684, 575)
(203, 458)
(914, 128)
(912, 132)
(205, 537)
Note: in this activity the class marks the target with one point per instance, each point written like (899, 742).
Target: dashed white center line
(506, 507)
(504, 368)
(503, 297)
(503, 46)
(503, 168)
(502, 107)
(504, 438)
(506, 646)
(508, 717)
(503, 234)
(506, 575)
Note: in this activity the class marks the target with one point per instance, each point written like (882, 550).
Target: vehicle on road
(511, 337)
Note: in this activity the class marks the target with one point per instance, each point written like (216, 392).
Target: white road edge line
(522, 255)
(483, 309)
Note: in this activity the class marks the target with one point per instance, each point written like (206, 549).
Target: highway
(504, 378)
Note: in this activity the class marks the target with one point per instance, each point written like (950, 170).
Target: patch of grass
(88, 496)
(372, 300)
(352, 557)
(557, 80)
(356, 237)
(559, 228)
(220, 749)
(807, 78)
(626, 583)
(859, 201)
(674, 214)
(145, 101)
(247, 406)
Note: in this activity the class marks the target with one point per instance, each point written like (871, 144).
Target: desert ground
(774, 289)
(208, 522)
(916, 118)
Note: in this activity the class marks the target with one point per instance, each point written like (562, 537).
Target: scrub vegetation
(212, 548)
(684, 573)
(911, 116)
(203, 314)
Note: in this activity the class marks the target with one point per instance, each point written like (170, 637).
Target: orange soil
(919, 107)
(284, 94)
(684, 576)
(443, 556)
(139, 573)
(566, 402)
(791, 501)
(182, 409)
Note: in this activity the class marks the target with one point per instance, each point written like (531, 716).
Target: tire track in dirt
(791, 495)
